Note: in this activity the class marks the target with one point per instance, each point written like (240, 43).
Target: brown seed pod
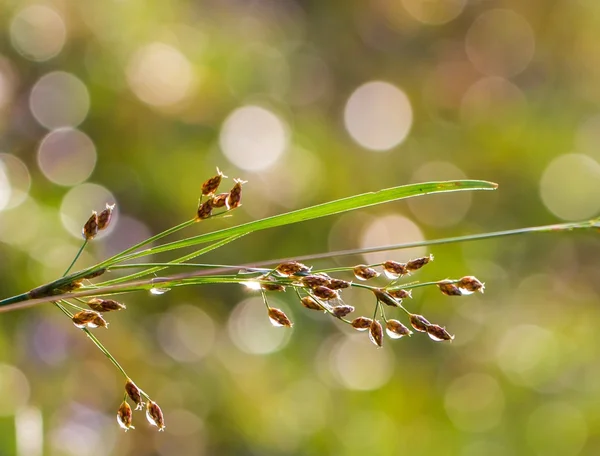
(311, 303)
(105, 216)
(418, 263)
(88, 319)
(376, 333)
(471, 284)
(235, 194)
(220, 200)
(90, 229)
(449, 288)
(338, 284)
(279, 318)
(438, 334)
(134, 393)
(393, 269)
(396, 330)
(204, 210)
(419, 322)
(125, 416)
(154, 415)
(363, 272)
(400, 294)
(384, 297)
(315, 280)
(290, 268)
(104, 305)
(211, 185)
(361, 323)
(325, 293)
(342, 311)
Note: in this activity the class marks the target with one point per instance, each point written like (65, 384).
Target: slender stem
(76, 257)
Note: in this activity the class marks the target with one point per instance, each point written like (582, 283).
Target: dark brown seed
(290, 268)
(342, 311)
(279, 318)
(449, 289)
(154, 415)
(384, 297)
(104, 305)
(90, 229)
(220, 200)
(363, 272)
(438, 334)
(314, 280)
(89, 319)
(338, 284)
(235, 194)
(394, 269)
(376, 333)
(272, 287)
(325, 293)
(400, 294)
(105, 216)
(205, 210)
(396, 330)
(211, 185)
(419, 322)
(418, 263)
(361, 323)
(471, 284)
(125, 416)
(310, 303)
(134, 393)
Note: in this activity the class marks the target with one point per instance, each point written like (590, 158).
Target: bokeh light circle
(490, 98)
(391, 229)
(160, 75)
(250, 330)
(79, 202)
(500, 43)
(357, 365)
(440, 210)
(378, 115)
(253, 138)
(570, 187)
(67, 156)
(15, 181)
(434, 12)
(474, 402)
(38, 32)
(59, 99)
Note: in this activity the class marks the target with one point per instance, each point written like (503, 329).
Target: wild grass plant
(85, 296)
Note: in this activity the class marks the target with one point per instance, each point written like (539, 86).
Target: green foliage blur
(136, 102)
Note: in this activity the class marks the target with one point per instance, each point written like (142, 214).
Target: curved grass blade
(323, 210)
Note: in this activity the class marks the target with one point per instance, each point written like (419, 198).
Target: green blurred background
(136, 102)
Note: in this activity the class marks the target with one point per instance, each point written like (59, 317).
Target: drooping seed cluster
(97, 222)
(318, 291)
(154, 414)
(229, 200)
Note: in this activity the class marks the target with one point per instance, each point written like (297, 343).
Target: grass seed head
(204, 210)
(471, 284)
(338, 284)
(104, 305)
(400, 294)
(393, 269)
(396, 330)
(291, 268)
(361, 323)
(134, 393)
(325, 293)
(279, 318)
(363, 272)
(154, 415)
(438, 334)
(125, 416)
(235, 194)
(220, 200)
(418, 263)
(376, 333)
(105, 216)
(419, 322)
(384, 297)
(449, 288)
(311, 303)
(212, 185)
(90, 229)
(315, 280)
(342, 311)
(88, 319)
